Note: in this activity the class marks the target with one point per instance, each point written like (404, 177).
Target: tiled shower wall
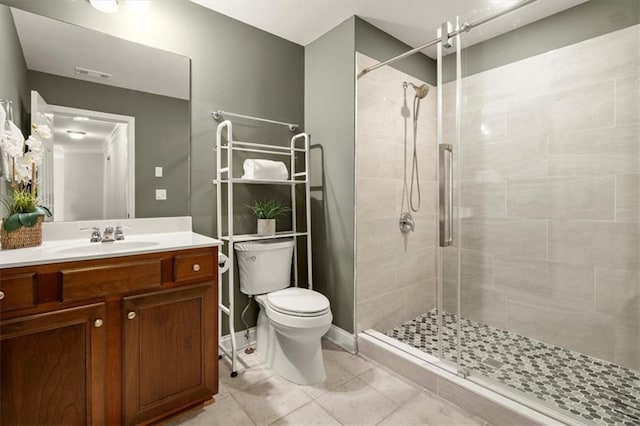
(551, 197)
(395, 272)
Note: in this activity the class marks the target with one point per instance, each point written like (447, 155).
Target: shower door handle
(445, 209)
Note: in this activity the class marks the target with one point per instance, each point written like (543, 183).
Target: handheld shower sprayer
(421, 91)
(408, 191)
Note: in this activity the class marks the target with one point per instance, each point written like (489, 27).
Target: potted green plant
(266, 212)
(22, 225)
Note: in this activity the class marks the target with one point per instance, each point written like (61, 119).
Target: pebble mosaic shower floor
(591, 390)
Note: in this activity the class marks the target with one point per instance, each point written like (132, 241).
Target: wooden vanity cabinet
(53, 368)
(166, 352)
(124, 340)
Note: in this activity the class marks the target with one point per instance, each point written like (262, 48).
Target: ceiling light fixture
(76, 134)
(111, 6)
(138, 6)
(107, 6)
(80, 118)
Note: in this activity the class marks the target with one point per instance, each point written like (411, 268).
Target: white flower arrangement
(22, 205)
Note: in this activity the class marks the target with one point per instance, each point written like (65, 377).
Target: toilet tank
(264, 266)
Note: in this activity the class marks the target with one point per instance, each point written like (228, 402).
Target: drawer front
(18, 291)
(98, 281)
(189, 267)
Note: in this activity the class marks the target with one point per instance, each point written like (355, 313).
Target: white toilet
(292, 320)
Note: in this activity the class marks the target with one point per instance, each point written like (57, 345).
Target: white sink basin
(112, 247)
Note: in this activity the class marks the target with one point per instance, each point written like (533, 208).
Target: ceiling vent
(93, 74)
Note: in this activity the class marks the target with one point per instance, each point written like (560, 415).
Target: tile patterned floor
(356, 392)
(589, 389)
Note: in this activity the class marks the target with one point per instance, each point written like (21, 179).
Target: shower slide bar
(465, 28)
(219, 114)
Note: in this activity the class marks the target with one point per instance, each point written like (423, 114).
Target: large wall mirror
(120, 117)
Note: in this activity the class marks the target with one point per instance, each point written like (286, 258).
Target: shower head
(421, 91)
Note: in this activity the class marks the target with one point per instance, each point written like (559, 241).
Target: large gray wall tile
(484, 305)
(375, 277)
(484, 198)
(627, 100)
(628, 343)
(602, 244)
(607, 151)
(585, 107)
(498, 160)
(562, 197)
(628, 198)
(618, 293)
(519, 237)
(477, 268)
(528, 118)
(544, 282)
(583, 63)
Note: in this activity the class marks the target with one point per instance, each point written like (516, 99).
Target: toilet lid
(298, 301)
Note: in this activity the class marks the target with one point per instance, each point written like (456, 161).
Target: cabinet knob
(1, 295)
(196, 267)
(98, 323)
(131, 315)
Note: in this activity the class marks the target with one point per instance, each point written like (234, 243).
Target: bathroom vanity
(109, 336)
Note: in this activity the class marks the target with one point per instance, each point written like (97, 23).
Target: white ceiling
(56, 47)
(411, 21)
(97, 132)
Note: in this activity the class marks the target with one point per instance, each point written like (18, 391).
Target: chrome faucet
(108, 235)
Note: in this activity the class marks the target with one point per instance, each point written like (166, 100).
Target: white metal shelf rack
(299, 144)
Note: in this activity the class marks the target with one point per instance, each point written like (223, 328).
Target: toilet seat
(298, 302)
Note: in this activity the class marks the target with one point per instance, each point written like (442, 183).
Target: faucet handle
(95, 233)
(119, 235)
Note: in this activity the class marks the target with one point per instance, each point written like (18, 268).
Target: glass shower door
(539, 289)
(448, 265)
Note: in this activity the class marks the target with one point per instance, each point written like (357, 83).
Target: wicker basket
(23, 237)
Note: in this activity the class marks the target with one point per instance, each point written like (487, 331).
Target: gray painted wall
(13, 76)
(234, 67)
(330, 119)
(161, 135)
(379, 45)
(582, 22)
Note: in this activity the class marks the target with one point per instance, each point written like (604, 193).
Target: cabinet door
(53, 368)
(169, 359)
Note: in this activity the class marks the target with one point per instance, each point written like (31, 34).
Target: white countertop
(142, 236)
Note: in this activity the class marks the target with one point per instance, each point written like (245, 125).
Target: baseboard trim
(342, 338)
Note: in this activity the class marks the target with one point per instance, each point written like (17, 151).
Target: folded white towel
(265, 170)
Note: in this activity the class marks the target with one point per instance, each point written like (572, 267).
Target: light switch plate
(161, 194)
(158, 171)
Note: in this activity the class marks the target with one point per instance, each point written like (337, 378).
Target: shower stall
(522, 271)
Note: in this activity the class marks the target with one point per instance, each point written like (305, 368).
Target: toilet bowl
(292, 320)
(288, 335)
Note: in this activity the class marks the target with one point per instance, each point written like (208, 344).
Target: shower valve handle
(406, 222)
